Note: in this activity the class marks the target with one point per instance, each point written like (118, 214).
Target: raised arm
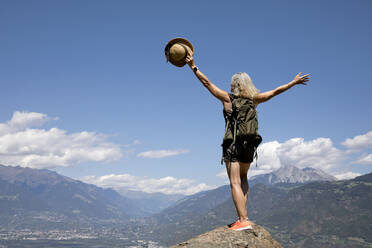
(221, 95)
(265, 96)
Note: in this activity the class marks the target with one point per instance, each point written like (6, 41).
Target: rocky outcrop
(223, 238)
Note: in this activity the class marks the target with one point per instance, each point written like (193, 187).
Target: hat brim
(182, 41)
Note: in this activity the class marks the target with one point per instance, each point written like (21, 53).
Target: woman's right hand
(301, 79)
(190, 60)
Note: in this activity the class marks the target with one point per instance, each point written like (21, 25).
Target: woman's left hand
(301, 79)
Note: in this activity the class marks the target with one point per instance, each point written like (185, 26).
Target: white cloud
(347, 175)
(161, 153)
(23, 144)
(268, 159)
(166, 185)
(22, 120)
(367, 159)
(319, 153)
(359, 142)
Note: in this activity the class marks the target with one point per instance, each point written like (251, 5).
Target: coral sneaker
(242, 226)
(233, 224)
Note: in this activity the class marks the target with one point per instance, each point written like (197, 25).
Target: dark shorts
(241, 151)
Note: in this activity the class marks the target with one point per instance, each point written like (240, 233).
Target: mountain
(199, 202)
(207, 210)
(324, 214)
(44, 195)
(314, 214)
(317, 214)
(292, 174)
(150, 203)
(207, 200)
(168, 226)
(364, 178)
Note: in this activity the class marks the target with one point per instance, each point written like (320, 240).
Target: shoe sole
(243, 228)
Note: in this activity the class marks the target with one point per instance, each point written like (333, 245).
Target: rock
(224, 238)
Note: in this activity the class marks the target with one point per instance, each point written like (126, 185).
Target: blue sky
(86, 90)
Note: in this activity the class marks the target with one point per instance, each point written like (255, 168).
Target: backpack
(241, 124)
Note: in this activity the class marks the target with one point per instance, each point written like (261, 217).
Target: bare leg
(244, 167)
(238, 195)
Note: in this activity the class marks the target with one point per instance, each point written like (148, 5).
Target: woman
(237, 156)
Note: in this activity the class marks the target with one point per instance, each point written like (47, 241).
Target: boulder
(222, 237)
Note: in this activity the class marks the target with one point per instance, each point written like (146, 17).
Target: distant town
(82, 237)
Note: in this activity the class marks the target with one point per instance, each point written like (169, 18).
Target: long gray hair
(242, 86)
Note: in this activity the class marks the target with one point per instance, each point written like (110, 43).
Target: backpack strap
(232, 98)
(234, 135)
(255, 155)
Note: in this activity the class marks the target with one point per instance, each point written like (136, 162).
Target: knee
(235, 183)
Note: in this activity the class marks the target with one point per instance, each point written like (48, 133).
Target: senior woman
(239, 154)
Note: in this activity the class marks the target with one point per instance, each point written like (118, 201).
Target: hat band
(186, 51)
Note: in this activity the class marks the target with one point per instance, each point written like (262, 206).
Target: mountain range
(314, 214)
(150, 203)
(44, 196)
(300, 208)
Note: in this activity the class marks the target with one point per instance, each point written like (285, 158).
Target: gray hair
(242, 86)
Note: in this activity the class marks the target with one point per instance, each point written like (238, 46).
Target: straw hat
(176, 51)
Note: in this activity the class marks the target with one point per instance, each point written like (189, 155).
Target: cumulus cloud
(318, 153)
(359, 142)
(161, 153)
(22, 120)
(347, 175)
(21, 143)
(367, 159)
(268, 159)
(166, 185)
